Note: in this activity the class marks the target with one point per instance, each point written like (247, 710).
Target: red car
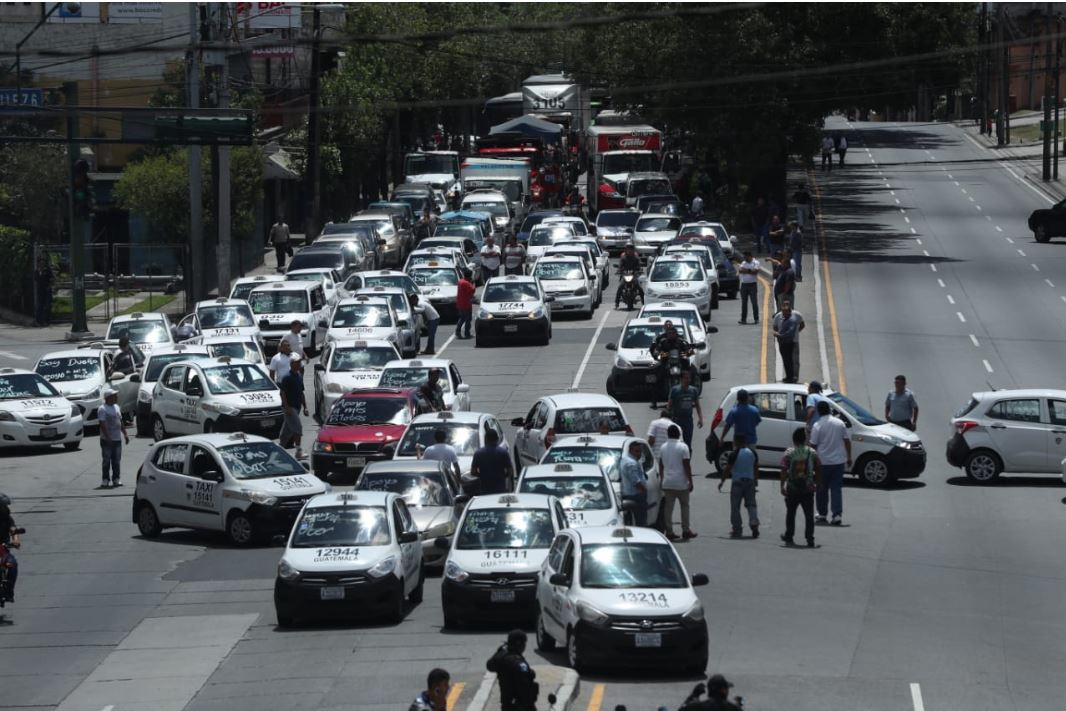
(358, 427)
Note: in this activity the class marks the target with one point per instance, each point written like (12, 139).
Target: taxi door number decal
(203, 494)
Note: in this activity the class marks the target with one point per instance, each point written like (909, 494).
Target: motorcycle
(5, 569)
(629, 289)
(676, 363)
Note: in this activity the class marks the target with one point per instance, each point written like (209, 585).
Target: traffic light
(83, 189)
(204, 130)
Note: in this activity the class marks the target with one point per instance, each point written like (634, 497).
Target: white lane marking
(897, 201)
(951, 300)
(823, 351)
(956, 183)
(13, 356)
(978, 207)
(988, 217)
(887, 185)
(952, 177)
(914, 231)
(963, 190)
(906, 219)
(902, 211)
(961, 317)
(1063, 298)
(925, 252)
(446, 344)
(1048, 282)
(942, 284)
(974, 339)
(891, 192)
(970, 198)
(933, 267)
(998, 228)
(484, 690)
(1021, 252)
(932, 157)
(109, 707)
(588, 351)
(988, 366)
(1009, 240)
(1035, 268)
(918, 241)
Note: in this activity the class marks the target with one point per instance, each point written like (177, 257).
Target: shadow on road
(1052, 481)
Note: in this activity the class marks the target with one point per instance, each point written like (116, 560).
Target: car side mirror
(442, 542)
(733, 239)
(389, 450)
(518, 422)
(408, 537)
(115, 377)
(382, 242)
(322, 323)
(611, 346)
(549, 299)
(559, 579)
(195, 392)
(135, 378)
(403, 323)
(306, 466)
(462, 388)
(212, 475)
(712, 329)
(264, 324)
(699, 579)
(319, 368)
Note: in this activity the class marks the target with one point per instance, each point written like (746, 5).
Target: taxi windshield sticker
(226, 332)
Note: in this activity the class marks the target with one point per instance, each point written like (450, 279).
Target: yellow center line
(765, 323)
(838, 351)
(454, 694)
(597, 697)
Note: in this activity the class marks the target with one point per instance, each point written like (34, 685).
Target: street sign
(30, 97)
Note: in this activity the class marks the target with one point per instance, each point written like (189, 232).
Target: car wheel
(699, 667)
(714, 298)
(159, 432)
(983, 465)
(1041, 233)
(144, 428)
(479, 342)
(545, 642)
(417, 594)
(723, 457)
(451, 620)
(873, 470)
(71, 446)
(573, 652)
(611, 389)
(285, 617)
(517, 462)
(240, 530)
(148, 522)
(398, 607)
(209, 426)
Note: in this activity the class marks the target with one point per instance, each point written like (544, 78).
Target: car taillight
(717, 419)
(549, 437)
(964, 426)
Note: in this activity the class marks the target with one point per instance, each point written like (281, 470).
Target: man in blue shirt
(744, 419)
(814, 394)
(491, 466)
(741, 469)
(685, 398)
(634, 483)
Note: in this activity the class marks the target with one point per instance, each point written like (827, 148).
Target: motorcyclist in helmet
(10, 538)
(667, 341)
(628, 262)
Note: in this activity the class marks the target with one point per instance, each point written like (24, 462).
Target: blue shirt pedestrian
(743, 461)
(744, 419)
(632, 475)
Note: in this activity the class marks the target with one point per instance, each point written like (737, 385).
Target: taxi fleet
(34, 414)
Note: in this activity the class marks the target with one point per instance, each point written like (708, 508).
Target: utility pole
(1004, 79)
(194, 287)
(1058, 72)
(313, 199)
(79, 225)
(1049, 130)
(225, 222)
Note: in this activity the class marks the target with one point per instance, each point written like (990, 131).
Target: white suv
(1009, 431)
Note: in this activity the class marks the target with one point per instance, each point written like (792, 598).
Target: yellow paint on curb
(454, 694)
(596, 700)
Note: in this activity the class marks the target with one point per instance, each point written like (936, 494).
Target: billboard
(76, 13)
(551, 98)
(629, 141)
(269, 15)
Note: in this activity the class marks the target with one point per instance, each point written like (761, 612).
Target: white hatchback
(148, 330)
(567, 280)
(698, 329)
(363, 318)
(554, 417)
(652, 231)
(583, 489)
(512, 307)
(153, 367)
(82, 375)
(678, 277)
(225, 317)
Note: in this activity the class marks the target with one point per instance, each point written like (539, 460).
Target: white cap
(110, 392)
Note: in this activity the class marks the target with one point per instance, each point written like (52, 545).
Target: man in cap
(717, 690)
(112, 435)
(518, 690)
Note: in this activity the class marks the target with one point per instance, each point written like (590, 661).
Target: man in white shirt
(831, 439)
(490, 259)
(441, 451)
(697, 207)
(675, 473)
(294, 339)
(657, 431)
(432, 319)
(827, 153)
(281, 363)
(749, 287)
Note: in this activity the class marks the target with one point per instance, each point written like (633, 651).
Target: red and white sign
(637, 141)
(269, 15)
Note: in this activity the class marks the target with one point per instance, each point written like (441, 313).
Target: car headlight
(221, 409)
(590, 614)
(537, 312)
(75, 411)
(583, 291)
(452, 571)
(322, 447)
(92, 394)
(891, 440)
(286, 571)
(483, 314)
(702, 291)
(694, 614)
(260, 497)
(383, 567)
(621, 363)
(8, 417)
(441, 530)
(144, 396)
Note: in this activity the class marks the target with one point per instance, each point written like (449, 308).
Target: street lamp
(74, 7)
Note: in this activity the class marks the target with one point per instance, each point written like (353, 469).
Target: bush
(16, 269)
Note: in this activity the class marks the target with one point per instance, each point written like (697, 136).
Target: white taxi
(678, 277)
(620, 597)
(543, 236)
(407, 321)
(512, 307)
(495, 556)
(413, 373)
(701, 251)
(438, 282)
(330, 279)
(148, 330)
(464, 431)
(232, 346)
(34, 414)
(350, 553)
(587, 252)
(363, 318)
(391, 278)
(439, 255)
(634, 370)
(583, 489)
(567, 280)
(245, 486)
(347, 365)
(555, 417)
(153, 367)
(225, 317)
(217, 395)
(689, 314)
(277, 305)
(243, 287)
(82, 375)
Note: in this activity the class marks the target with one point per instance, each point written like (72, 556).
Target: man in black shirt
(492, 467)
(10, 539)
(431, 391)
(667, 341)
(124, 362)
(628, 262)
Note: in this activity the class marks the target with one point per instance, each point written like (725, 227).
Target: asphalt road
(935, 595)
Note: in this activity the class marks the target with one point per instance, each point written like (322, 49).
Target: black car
(1049, 222)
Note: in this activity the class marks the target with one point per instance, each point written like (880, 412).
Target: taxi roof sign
(508, 499)
(563, 468)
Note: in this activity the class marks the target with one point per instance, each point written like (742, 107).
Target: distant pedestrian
(800, 474)
(814, 396)
(787, 327)
(464, 304)
(435, 697)
(901, 407)
(744, 419)
(784, 279)
(831, 439)
(492, 467)
(802, 199)
(795, 247)
(696, 209)
(514, 256)
(295, 339)
(634, 482)
(42, 280)
(279, 364)
(775, 234)
(657, 430)
(112, 435)
(281, 239)
(760, 222)
(490, 259)
(749, 287)
(684, 398)
(827, 153)
(742, 470)
(675, 475)
(842, 149)
(431, 317)
(292, 403)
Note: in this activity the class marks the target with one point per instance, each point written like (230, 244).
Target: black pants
(462, 326)
(621, 285)
(827, 161)
(749, 292)
(842, 153)
(803, 501)
(787, 349)
(44, 308)
(282, 251)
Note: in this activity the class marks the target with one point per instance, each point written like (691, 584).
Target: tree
(33, 182)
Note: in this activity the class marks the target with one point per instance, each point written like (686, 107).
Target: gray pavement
(936, 591)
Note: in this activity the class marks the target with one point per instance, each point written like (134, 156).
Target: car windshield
(628, 162)
(416, 203)
(505, 528)
(496, 209)
(558, 270)
(690, 317)
(855, 410)
(157, 362)
(545, 236)
(242, 378)
(658, 224)
(710, 242)
(241, 291)
(453, 230)
(498, 292)
(463, 436)
(56, 370)
(617, 219)
(367, 315)
(429, 163)
(533, 219)
(310, 260)
(434, 277)
(259, 460)
(234, 315)
(392, 281)
(370, 411)
(25, 385)
(245, 350)
(512, 189)
(279, 301)
(676, 271)
(441, 241)
(701, 254)
(587, 419)
(649, 186)
(346, 228)
(313, 277)
(640, 336)
(438, 256)
(576, 493)
(346, 360)
(415, 489)
(606, 457)
(577, 227)
(328, 526)
(631, 565)
(152, 331)
(410, 378)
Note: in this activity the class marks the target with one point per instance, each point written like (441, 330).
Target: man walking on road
(112, 435)
(827, 153)
(279, 237)
(842, 149)
(657, 430)
(464, 304)
(492, 467)
(795, 247)
(279, 364)
(675, 473)
(800, 475)
(292, 403)
(814, 396)
(787, 327)
(514, 256)
(431, 317)
(749, 287)
(294, 339)
(900, 406)
(831, 439)
(744, 477)
(684, 398)
(743, 418)
(784, 279)
(634, 483)
(802, 198)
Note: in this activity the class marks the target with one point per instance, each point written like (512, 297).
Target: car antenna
(990, 385)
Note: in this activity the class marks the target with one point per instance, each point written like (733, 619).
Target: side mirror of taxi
(319, 368)
(408, 537)
(442, 543)
(135, 378)
(462, 388)
(264, 325)
(699, 579)
(549, 299)
(559, 579)
(117, 376)
(322, 323)
(611, 346)
(212, 475)
(712, 329)
(306, 466)
(518, 422)
(389, 450)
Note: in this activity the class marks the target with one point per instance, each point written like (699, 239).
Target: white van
(278, 304)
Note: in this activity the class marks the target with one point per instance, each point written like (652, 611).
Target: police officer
(628, 262)
(717, 690)
(518, 690)
(667, 341)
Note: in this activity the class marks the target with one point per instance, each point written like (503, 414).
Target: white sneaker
(300, 454)
(837, 521)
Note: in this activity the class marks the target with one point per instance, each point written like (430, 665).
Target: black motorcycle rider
(518, 690)
(667, 341)
(628, 262)
(10, 538)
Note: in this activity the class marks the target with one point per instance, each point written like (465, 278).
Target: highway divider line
(916, 697)
(823, 351)
(454, 694)
(446, 344)
(841, 384)
(588, 351)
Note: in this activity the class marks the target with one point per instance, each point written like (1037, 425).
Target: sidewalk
(1026, 159)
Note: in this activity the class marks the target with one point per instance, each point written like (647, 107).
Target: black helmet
(5, 500)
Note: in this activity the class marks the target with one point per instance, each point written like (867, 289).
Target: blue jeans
(742, 491)
(831, 490)
(797, 264)
(640, 512)
(685, 423)
(431, 335)
(462, 326)
(111, 456)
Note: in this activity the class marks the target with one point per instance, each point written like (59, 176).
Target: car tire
(240, 530)
(1041, 235)
(573, 652)
(714, 297)
(983, 466)
(399, 607)
(285, 617)
(147, 521)
(479, 342)
(159, 432)
(209, 426)
(419, 592)
(545, 642)
(546, 339)
(723, 456)
(144, 427)
(611, 389)
(451, 620)
(72, 446)
(699, 668)
(873, 470)
(586, 315)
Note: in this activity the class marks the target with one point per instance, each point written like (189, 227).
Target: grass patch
(152, 303)
(63, 306)
(1030, 133)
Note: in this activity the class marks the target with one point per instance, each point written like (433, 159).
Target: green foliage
(33, 183)
(16, 268)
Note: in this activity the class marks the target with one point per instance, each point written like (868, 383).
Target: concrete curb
(481, 698)
(568, 691)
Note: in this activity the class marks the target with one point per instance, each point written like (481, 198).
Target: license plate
(650, 639)
(332, 593)
(268, 422)
(556, 306)
(650, 378)
(48, 431)
(511, 328)
(356, 462)
(502, 596)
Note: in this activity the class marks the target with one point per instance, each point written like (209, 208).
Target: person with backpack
(800, 476)
(741, 468)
